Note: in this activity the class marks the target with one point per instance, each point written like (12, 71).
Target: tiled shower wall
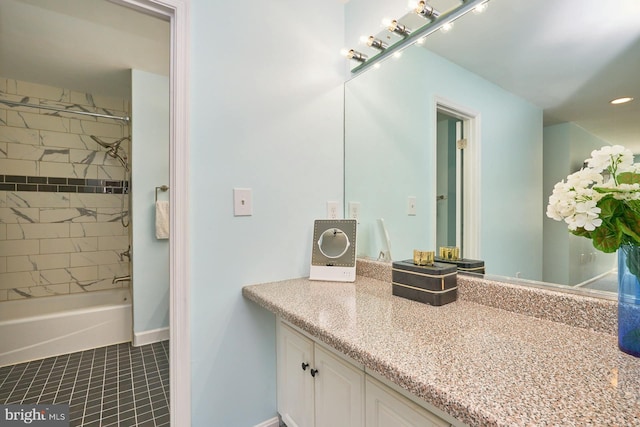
(60, 193)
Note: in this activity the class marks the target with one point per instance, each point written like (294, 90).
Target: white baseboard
(273, 422)
(149, 337)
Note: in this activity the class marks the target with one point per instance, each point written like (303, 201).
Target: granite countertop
(483, 365)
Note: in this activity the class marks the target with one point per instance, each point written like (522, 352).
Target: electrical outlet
(332, 210)
(354, 210)
(411, 206)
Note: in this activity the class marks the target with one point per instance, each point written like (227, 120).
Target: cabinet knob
(304, 366)
(314, 372)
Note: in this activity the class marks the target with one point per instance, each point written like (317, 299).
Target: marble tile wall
(60, 193)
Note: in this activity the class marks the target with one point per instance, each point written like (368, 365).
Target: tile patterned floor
(119, 385)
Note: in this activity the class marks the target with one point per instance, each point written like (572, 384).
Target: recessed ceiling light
(623, 100)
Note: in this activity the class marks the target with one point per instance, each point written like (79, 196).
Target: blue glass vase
(629, 299)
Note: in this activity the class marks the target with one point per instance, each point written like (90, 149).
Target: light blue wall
(150, 168)
(557, 165)
(266, 113)
(569, 259)
(390, 136)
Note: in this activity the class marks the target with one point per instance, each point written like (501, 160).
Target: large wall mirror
(526, 87)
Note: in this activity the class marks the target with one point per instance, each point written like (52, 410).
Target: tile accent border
(42, 184)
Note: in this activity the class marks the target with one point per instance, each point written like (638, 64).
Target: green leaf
(607, 237)
(632, 256)
(629, 178)
(610, 207)
(629, 224)
(581, 232)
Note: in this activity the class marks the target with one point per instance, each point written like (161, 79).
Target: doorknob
(304, 366)
(314, 372)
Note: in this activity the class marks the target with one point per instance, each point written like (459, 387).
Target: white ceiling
(84, 45)
(569, 57)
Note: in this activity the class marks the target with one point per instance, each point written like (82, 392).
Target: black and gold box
(465, 265)
(433, 284)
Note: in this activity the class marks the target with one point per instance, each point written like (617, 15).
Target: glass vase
(629, 299)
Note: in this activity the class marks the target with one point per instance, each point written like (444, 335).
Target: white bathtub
(35, 328)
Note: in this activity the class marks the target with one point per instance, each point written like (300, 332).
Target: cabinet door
(295, 383)
(386, 408)
(339, 391)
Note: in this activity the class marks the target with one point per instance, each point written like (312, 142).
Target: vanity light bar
(413, 36)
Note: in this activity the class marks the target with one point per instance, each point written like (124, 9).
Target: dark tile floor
(119, 385)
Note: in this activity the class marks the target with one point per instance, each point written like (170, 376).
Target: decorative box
(434, 284)
(465, 265)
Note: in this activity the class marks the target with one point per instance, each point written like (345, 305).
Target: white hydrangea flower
(610, 157)
(584, 178)
(586, 216)
(575, 201)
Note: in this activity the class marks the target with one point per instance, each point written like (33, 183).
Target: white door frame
(471, 173)
(177, 13)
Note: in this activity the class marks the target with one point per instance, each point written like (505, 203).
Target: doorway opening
(449, 188)
(457, 149)
(177, 13)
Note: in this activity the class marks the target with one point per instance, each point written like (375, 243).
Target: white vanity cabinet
(386, 408)
(316, 388)
(319, 388)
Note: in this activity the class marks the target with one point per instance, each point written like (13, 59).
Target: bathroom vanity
(501, 355)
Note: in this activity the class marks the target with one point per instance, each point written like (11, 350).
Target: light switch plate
(242, 202)
(411, 205)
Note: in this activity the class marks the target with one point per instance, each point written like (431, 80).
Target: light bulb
(480, 8)
(622, 100)
(426, 11)
(446, 27)
(354, 54)
(373, 42)
(395, 27)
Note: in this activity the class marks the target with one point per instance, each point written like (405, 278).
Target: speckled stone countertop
(483, 365)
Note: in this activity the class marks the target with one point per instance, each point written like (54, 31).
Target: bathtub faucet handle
(126, 253)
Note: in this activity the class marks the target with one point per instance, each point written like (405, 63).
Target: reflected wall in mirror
(539, 75)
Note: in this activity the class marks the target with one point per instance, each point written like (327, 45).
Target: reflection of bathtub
(34, 328)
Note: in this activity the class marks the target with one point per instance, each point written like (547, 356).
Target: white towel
(162, 219)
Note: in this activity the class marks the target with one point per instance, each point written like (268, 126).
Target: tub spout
(117, 279)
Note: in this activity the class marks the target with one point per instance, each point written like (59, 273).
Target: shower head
(114, 144)
(113, 148)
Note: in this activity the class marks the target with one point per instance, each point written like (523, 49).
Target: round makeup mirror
(333, 243)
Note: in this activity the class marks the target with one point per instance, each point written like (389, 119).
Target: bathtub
(34, 328)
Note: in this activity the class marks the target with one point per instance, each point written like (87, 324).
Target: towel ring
(161, 188)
